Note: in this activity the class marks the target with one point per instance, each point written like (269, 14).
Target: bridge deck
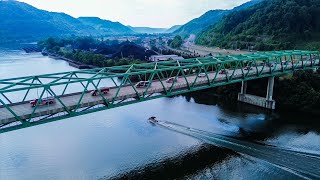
(24, 110)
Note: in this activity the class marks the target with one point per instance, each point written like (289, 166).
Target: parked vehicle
(104, 90)
(171, 80)
(142, 84)
(285, 62)
(223, 71)
(202, 75)
(44, 101)
(248, 68)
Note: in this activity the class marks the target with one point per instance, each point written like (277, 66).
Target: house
(156, 58)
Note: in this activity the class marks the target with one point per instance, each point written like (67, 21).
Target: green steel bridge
(71, 90)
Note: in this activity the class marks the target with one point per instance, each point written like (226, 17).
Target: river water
(121, 144)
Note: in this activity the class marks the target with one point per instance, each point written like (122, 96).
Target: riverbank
(72, 63)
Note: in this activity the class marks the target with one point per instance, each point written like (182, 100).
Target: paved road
(204, 51)
(24, 110)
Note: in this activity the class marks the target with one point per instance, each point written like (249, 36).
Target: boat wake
(304, 165)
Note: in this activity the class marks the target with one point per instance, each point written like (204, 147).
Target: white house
(156, 58)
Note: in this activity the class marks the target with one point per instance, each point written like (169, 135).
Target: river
(120, 143)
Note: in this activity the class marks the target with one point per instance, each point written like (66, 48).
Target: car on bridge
(172, 79)
(248, 68)
(142, 84)
(44, 101)
(202, 75)
(312, 60)
(269, 64)
(104, 90)
(223, 71)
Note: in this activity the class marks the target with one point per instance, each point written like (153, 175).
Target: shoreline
(72, 63)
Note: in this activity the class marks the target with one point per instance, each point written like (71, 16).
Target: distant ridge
(106, 26)
(147, 30)
(210, 18)
(269, 25)
(21, 21)
(173, 28)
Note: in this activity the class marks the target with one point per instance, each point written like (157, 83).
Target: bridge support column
(267, 102)
(244, 87)
(270, 88)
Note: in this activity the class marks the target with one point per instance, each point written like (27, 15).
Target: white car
(142, 84)
(202, 75)
(171, 80)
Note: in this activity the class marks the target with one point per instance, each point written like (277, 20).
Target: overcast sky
(152, 13)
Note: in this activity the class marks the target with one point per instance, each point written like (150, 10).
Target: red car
(44, 101)
(103, 90)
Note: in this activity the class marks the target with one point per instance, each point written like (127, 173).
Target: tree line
(269, 25)
(80, 50)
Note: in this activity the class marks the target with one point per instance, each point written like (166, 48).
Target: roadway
(205, 51)
(25, 111)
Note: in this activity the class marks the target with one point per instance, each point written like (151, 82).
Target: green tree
(176, 42)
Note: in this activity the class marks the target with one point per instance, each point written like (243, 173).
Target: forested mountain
(147, 30)
(106, 26)
(271, 24)
(173, 28)
(197, 25)
(20, 21)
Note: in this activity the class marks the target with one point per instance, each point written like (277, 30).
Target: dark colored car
(248, 68)
(269, 64)
(103, 90)
(223, 71)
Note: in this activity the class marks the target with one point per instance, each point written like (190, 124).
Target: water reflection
(184, 165)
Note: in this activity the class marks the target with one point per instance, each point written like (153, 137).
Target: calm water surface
(119, 143)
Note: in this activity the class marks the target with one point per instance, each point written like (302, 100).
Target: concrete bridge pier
(267, 102)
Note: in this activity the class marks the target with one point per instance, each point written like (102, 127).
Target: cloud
(153, 13)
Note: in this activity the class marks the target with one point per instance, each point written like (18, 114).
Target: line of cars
(106, 90)
(142, 84)
(52, 100)
(103, 90)
(44, 101)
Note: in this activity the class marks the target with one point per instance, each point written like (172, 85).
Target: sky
(151, 13)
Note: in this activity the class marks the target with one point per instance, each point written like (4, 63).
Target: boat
(153, 120)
